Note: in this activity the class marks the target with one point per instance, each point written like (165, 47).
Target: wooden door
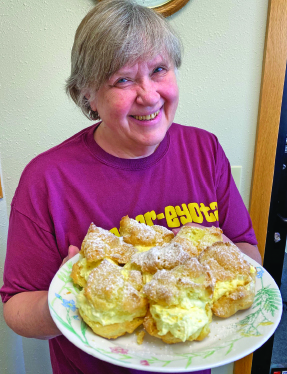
(272, 83)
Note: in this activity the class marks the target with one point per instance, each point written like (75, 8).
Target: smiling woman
(110, 38)
(133, 161)
(132, 83)
(136, 110)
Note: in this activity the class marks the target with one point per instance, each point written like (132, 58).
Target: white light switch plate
(236, 173)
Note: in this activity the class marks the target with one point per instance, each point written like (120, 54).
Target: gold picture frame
(168, 8)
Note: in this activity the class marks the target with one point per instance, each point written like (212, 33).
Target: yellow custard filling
(225, 288)
(142, 248)
(106, 317)
(180, 322)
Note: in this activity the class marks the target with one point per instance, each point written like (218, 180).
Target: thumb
(175, 231)
(73, 251)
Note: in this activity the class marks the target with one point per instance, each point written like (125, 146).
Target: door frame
(272, 84)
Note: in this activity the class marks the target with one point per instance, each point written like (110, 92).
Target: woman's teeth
(148, 117)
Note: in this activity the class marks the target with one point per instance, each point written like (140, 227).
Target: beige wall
(219, 91)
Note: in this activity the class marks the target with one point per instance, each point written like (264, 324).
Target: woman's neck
(111, 145)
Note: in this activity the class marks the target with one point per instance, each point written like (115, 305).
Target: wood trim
(1, 191)
(243, 366)
(272, 83)
(273, 75)
(170, 7)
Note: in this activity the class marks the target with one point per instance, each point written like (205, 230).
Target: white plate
(229, 340)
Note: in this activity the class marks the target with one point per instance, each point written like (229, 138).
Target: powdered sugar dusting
(228, 256)
(137, 233)
(157, 258)
(99, 244)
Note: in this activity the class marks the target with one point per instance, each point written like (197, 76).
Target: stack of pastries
(172, 285)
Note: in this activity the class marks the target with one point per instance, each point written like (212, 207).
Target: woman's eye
(158, 69)
(121, 80)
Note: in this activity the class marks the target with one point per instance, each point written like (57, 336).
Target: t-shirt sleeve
(32, 257)
(234, 218)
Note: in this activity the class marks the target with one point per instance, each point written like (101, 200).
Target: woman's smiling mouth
(148, 117)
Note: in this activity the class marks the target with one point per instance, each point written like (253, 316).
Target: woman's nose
(147, 93)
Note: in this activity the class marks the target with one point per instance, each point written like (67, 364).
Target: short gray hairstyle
(113, 34)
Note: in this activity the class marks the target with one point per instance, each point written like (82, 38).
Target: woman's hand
(72, 251)
(28, 314)
(250, 250)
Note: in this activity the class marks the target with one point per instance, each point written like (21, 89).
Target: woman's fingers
(72, 251)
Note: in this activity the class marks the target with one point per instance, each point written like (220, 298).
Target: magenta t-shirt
(63, 190)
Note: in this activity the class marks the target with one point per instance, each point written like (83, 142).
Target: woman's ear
(87, 94)
(93, 106)
(91, 99)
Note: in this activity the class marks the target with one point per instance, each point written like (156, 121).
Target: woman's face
(137, 106)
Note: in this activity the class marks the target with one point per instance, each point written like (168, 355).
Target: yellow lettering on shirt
(213, 206)
(115, 231)
(140, 218)
(149, 217)
(195, 213)
(205, 209)
(179, 215)
(171, 217)
(182, 213)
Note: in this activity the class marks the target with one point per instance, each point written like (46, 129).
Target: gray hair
(112, 34)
